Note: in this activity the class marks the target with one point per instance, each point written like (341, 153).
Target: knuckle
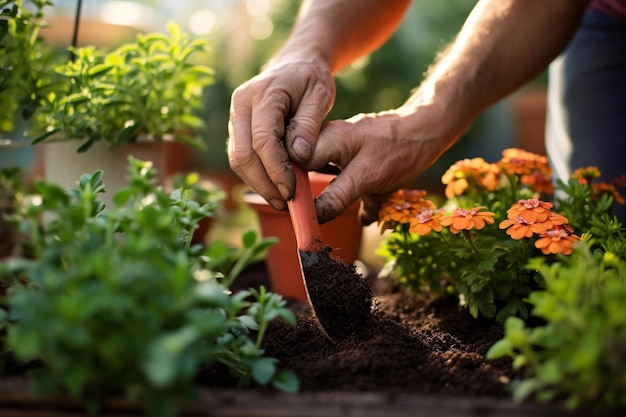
(238, 158)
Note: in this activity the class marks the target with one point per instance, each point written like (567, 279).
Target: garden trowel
(339, 296)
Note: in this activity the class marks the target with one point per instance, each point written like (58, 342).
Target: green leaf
(213, 294)
(263, 370)
(500, 349)
(45, 136)
(249, 238)
(100, 69)
(286, 381)
(526, 388)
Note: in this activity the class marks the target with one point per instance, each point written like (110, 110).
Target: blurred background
(244, 33)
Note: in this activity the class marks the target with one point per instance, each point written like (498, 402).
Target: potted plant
(133, 100)
(25, 62)
(121, 304)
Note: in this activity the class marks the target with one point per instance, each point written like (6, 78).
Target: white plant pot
(64, 166)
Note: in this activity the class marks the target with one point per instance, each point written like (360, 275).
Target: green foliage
(151, 88)
(25, 60)
(487, 276)
(578, 354)
(486, 267)
(121, 303)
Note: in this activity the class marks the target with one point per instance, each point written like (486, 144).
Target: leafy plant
(121, 303)
(495, 219)
(578, 353)
(151, 88)
(24, 60)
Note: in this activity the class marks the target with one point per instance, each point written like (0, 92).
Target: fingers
(255, 151)
(374, 161)
(370, 208)
(341, 193)
(300, 95)
(306, 123)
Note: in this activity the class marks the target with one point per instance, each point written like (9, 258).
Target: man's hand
(377, 153)
(284, 106)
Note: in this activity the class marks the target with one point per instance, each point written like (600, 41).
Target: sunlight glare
(261, 28)
(258, 7)
(202, 22)
(126, 13)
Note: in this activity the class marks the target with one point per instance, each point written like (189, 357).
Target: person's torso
(613, 8)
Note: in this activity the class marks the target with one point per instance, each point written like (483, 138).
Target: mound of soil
(408, 343)
(411, 344)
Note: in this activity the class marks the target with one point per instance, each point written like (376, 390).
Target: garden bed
(418, 357)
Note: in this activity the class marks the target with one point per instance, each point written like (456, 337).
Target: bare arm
(339, 31)
(502, 45)
(297, 88)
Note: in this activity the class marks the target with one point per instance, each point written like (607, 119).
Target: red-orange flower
(539, 181)
(588, 173)
(466, 173)
(521, 162)
(605, 188)
(531, 210)
(519, 228)
(462, 219)
(557, 240)
(426, 221)
(527, 217)
(402, 206)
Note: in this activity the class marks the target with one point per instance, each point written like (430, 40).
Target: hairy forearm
(503, 45)
(341, 31)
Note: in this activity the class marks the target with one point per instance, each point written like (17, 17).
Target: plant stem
(470, 239)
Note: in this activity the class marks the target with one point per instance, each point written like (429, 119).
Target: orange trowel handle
(303, 214)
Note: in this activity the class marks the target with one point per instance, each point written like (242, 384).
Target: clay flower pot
(343, 234)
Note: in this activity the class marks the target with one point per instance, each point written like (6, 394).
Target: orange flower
(519, 228)
(521, 162)
(527, 217)
(532, 210)
(470, 172)
(588, 173)
(539, 180)
(604, 188)
(402, 206)
(462, 219)
(426, 221)
(557, 240)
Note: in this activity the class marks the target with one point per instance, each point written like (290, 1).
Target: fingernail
(302, 149)
(284, 191)
(278, 204)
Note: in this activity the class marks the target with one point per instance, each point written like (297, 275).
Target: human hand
(294, 96)
(378, 154)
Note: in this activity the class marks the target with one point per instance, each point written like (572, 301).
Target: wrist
(435, 113)
(295, 55)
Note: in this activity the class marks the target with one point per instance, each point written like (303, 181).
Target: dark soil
(410, 344)
(341, 299)
(407, 343)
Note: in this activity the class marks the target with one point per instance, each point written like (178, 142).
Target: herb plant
(578, 352)
(120, 303)
(151, 88)
(496, 218)
(24, 60)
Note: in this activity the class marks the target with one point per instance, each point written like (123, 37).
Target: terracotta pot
(529, 116)
(343, 234)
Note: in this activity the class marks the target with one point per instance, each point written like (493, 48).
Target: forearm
(341, 31)
(503, 45)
